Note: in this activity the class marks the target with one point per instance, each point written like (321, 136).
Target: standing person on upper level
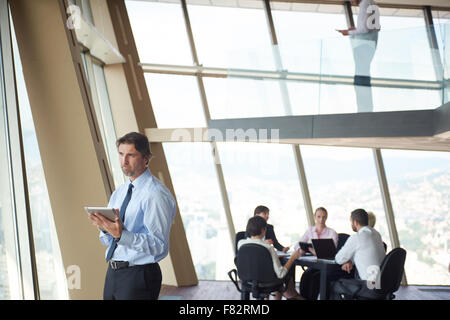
(364, 39)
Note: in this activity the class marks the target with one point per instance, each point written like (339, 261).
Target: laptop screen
(325, 248)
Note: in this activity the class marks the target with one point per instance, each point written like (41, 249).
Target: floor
(225, 290)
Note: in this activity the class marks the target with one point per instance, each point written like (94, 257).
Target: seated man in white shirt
(256, 228)
(365, 251)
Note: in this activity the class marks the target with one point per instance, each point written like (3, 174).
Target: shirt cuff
(126, 239)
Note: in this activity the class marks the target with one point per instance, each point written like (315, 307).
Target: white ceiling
(308, 5)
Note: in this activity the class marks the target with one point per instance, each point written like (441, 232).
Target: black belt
(116, 265)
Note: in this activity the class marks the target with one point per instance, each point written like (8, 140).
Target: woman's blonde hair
(372, 219)
(321, 209)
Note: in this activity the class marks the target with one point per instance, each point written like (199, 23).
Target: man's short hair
(140, 142)
(361, 216)
(255, 226)
(260, 209)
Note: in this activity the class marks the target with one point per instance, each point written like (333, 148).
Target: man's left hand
(114, 228)
(343, 32)
(348, 266)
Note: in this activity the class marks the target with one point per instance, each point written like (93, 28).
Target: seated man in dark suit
(270, 238)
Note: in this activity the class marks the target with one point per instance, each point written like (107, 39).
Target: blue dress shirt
(148, 219)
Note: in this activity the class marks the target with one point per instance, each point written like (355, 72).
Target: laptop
(325, 249)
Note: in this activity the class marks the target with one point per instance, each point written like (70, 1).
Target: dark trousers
(351, 289)
(133, 283)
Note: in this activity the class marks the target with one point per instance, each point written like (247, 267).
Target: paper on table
(308, 258)
(283, 254)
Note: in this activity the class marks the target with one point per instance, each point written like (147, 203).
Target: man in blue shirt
(139, 236)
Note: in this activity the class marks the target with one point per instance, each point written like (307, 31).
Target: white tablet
(106, 212)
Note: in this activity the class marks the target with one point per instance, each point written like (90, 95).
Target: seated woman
(256, 229)
(319, 231)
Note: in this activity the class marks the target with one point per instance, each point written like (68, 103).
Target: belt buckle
(116, 265)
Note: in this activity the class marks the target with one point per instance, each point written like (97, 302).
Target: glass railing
(391, 70)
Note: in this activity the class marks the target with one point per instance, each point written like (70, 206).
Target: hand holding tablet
(108, 213)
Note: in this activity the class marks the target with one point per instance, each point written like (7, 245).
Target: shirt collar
(139, 181)
(365, 229)
(315, 229)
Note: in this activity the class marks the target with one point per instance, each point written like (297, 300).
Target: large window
(192, 171)
(9, 267)
(403, 52)
(243, 98)
(342, 180)
(175, 101)
(420, 193)
(51, 274)
(264, 174)
(102, 107)
(308, 40)
(231, 37)
(319, 66)
(309, 43)
(159, 32)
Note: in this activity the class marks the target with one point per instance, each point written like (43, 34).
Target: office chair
(239, 236)
(255, 269)
(342, 238)
(391, 270)
(391, 273)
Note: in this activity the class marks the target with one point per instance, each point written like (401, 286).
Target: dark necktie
(123, 208)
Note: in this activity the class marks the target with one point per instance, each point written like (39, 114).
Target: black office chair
(391, 273)
(342, 238)
(255, 269)
(239, 236)
(391, 269)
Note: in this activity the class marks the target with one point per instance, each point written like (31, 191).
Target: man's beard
(128, 173)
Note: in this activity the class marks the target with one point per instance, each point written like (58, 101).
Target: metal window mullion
(21, 207)
(434, 50)
(387, 203)
(288, 110)
(349, 14)
(213, 144)
(284, 75)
